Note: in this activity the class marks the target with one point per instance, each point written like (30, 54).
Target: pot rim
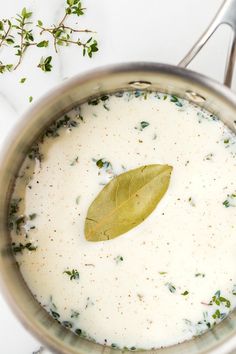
(100, 73)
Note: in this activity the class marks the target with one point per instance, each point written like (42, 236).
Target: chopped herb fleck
(106, 107)
(14, 206)
(209, 157)
(16, 223)
(218, 314)
(201, 326)
(230, 201)
(191, 202)
(18, 248)
(66, 122)
(34, 153)
(113, 345)
(118, 259)
(75, 161)
(142, 125)
(185, 293)
(202, 275)
(171, 287)
(54, 314)
(102, 163)
(39, 351)
(220, 300)
(175, 100)
(73, 274)
(94, 101)
(67, 324)
(234, 290)
(104, 98)
(77, 200)
(74, 314)
(32, 216)
(226, 203)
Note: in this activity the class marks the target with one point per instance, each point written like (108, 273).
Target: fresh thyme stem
(61, 33)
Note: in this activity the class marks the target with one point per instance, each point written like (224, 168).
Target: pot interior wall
(214, 97)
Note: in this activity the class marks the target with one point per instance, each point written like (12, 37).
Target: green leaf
(45, 64)
(126, 201)
(68, 10)
(92, 48)
(42, 44)
(10, 41)
(22, 80)
(32, 216)
(58, 33)
(78, 10)
(40, 23)
(185, 293)
(144, 124)
(25, 13)
(175, 99)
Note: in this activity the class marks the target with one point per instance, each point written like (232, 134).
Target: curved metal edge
(104, 71)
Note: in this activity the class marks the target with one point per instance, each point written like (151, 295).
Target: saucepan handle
(225, 15)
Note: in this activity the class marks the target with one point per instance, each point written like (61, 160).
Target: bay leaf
(126, 201)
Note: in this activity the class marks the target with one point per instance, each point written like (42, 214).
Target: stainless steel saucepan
(215, 97)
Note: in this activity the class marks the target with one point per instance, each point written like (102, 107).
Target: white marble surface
(134, 30)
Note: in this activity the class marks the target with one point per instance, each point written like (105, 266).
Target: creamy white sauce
(154, 285)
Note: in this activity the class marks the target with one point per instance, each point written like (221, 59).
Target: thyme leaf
(45, 64)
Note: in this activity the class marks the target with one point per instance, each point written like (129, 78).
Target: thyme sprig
(20, 32)
(5, 39)
(25, 33)
(63, 35)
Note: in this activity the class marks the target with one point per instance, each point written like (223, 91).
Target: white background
(127, 30)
